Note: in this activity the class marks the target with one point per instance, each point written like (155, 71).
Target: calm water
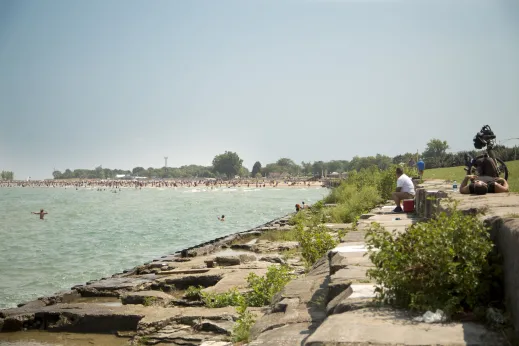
(90, 234)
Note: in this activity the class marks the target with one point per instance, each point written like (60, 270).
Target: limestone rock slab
(393, 327)
(113, 287)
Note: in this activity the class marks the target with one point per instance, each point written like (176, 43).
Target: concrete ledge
(393, 327)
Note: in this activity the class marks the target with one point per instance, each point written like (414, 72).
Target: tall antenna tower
(165, 161)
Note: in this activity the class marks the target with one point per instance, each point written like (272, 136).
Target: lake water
(89, 234)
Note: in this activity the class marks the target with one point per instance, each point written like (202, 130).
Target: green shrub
(315, 240)
(263, 288)
(434, 265)
(358, 203)
(194, 293)
(245, 321)
(220, 300)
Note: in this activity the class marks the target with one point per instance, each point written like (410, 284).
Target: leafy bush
(357, 203)
(434, 265)
(263, 288)
(219, 300)
(193, 293)
(314, 239)
(246, 319)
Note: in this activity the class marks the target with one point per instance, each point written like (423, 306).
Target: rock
(186, 302)
(78, 318)
(285, 335)
(234, 279)
(245, 247)
(282, 305)
(337, 261)
(379, 326)
(113, 287)
(181, 259)
(273, 259)
(366, 216)
(288, 245)
(227, 260)
(219, 327)
(146, 298)
(216, 343)
(182, 282)
(336, 287)
(184, 271)
(350, 273)
(336, 305)
(245, 258)
(157, 265)
(17, 322)
(209, 263)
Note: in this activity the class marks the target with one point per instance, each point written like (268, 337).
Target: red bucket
(408, 205)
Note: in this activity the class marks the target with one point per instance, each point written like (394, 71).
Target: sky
(123, 83)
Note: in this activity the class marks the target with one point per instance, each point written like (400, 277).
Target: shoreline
(114, 310)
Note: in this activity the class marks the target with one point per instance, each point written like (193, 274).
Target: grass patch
(278, 235)
(513, 215)
(457, 173)
(290, 253)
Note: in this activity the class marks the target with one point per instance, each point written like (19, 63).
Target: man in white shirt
(404, 189)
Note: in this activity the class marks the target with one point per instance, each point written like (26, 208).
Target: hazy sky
(125, 83)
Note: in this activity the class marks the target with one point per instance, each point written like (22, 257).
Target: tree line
(7, 175)
(229, 164)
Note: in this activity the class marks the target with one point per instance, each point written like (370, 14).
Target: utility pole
(165, 166)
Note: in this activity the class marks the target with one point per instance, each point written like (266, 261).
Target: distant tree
(318, 168)
(7, 175)
(435, 153)
(228, 163)
(57, 175)
(307, 167)
(244, 172)
(138, 171)
(256, 169)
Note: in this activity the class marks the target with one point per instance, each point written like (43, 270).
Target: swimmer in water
(41, 213)
(222, 218)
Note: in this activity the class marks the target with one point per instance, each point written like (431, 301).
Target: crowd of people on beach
(139, 184)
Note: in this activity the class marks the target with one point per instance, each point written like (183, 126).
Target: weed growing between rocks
(263, 288)
(245, 321)
(220, 300)
(149, 301)
(194, 293)
(439, 264)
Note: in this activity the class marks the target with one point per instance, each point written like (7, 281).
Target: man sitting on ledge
(404, 189)
(480, 187)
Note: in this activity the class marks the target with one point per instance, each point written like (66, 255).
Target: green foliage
(314, 239)
(219, 300)
(358, 203)
(7, 175)
(434, 265)
(245, 321)
(263, 288)
(149, 301)
(194, 293)
(228, 163)
(256, 169)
